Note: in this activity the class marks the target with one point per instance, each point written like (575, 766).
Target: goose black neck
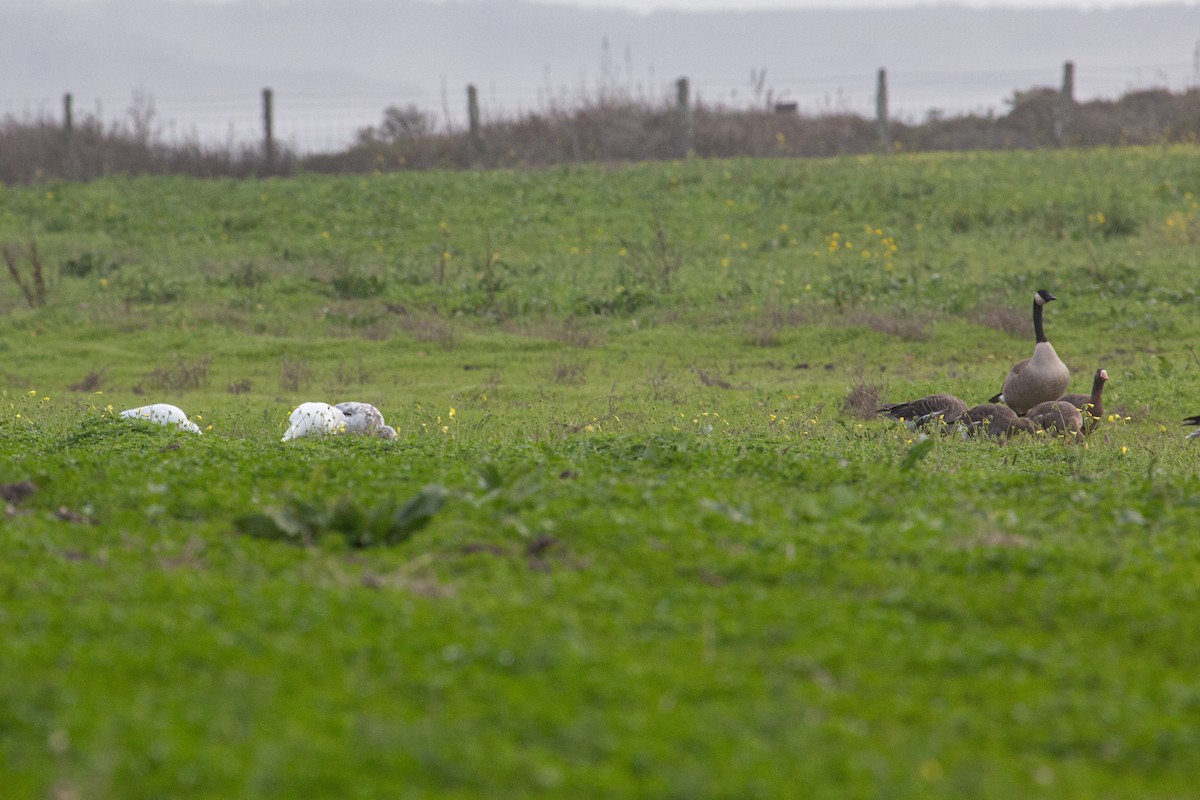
(1037, 323)
(1097, 385)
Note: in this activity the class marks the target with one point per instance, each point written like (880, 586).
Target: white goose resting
(315, 419)
(163, 414)
(365, 419)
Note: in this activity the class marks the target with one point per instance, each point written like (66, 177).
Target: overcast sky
(737, 5)
(746, 5)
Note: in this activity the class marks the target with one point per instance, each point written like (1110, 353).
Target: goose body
(1090, 405)
(163, 414)
(995, 419)
(1042, 377)
(1056, 416)
(927, 410)
(1193, 421)
(315, 419)
(365, 419)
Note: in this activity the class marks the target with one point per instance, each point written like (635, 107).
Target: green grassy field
(675, 555)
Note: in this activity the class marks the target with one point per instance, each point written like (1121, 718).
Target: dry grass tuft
(293, 376)
(32, 286)
(91, 383)
(1003, 319)
(908, 329)
(864, 399)
(713, 379)
(766, 329)
(180, 378)
(572, 373)
(425, 327)
(569, 331)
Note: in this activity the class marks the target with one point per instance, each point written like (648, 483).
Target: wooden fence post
(473, 126)
(268, 130)
(881, 112)
(683, 120)
(68, 136)
(1066, 105)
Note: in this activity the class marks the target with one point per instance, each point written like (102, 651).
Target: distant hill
(350, 58)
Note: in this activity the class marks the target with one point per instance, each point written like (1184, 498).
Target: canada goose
(996, 420)
(927, 410)
(1056, 416)
(365, 419)
(1193, 421)
(163, 414)
(315, 419)
(1038, 379)
(1092, 405)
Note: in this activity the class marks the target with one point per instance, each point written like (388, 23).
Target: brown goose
(1038, 379)
(1056, 416)
(1193, 421)
(928, 410)
(1092, 405)
(996, 420)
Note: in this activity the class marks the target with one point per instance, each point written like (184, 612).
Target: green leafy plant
(87, 264)
(385, 523)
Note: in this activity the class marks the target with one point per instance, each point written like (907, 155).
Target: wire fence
(316, 122)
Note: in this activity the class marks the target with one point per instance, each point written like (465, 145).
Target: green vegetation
(639, 533)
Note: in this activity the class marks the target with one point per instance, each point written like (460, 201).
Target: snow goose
(315, 419)
(365, 419)
(163, 414)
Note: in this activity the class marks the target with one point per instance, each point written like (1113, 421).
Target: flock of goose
(1033, 398)
(307, 419)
